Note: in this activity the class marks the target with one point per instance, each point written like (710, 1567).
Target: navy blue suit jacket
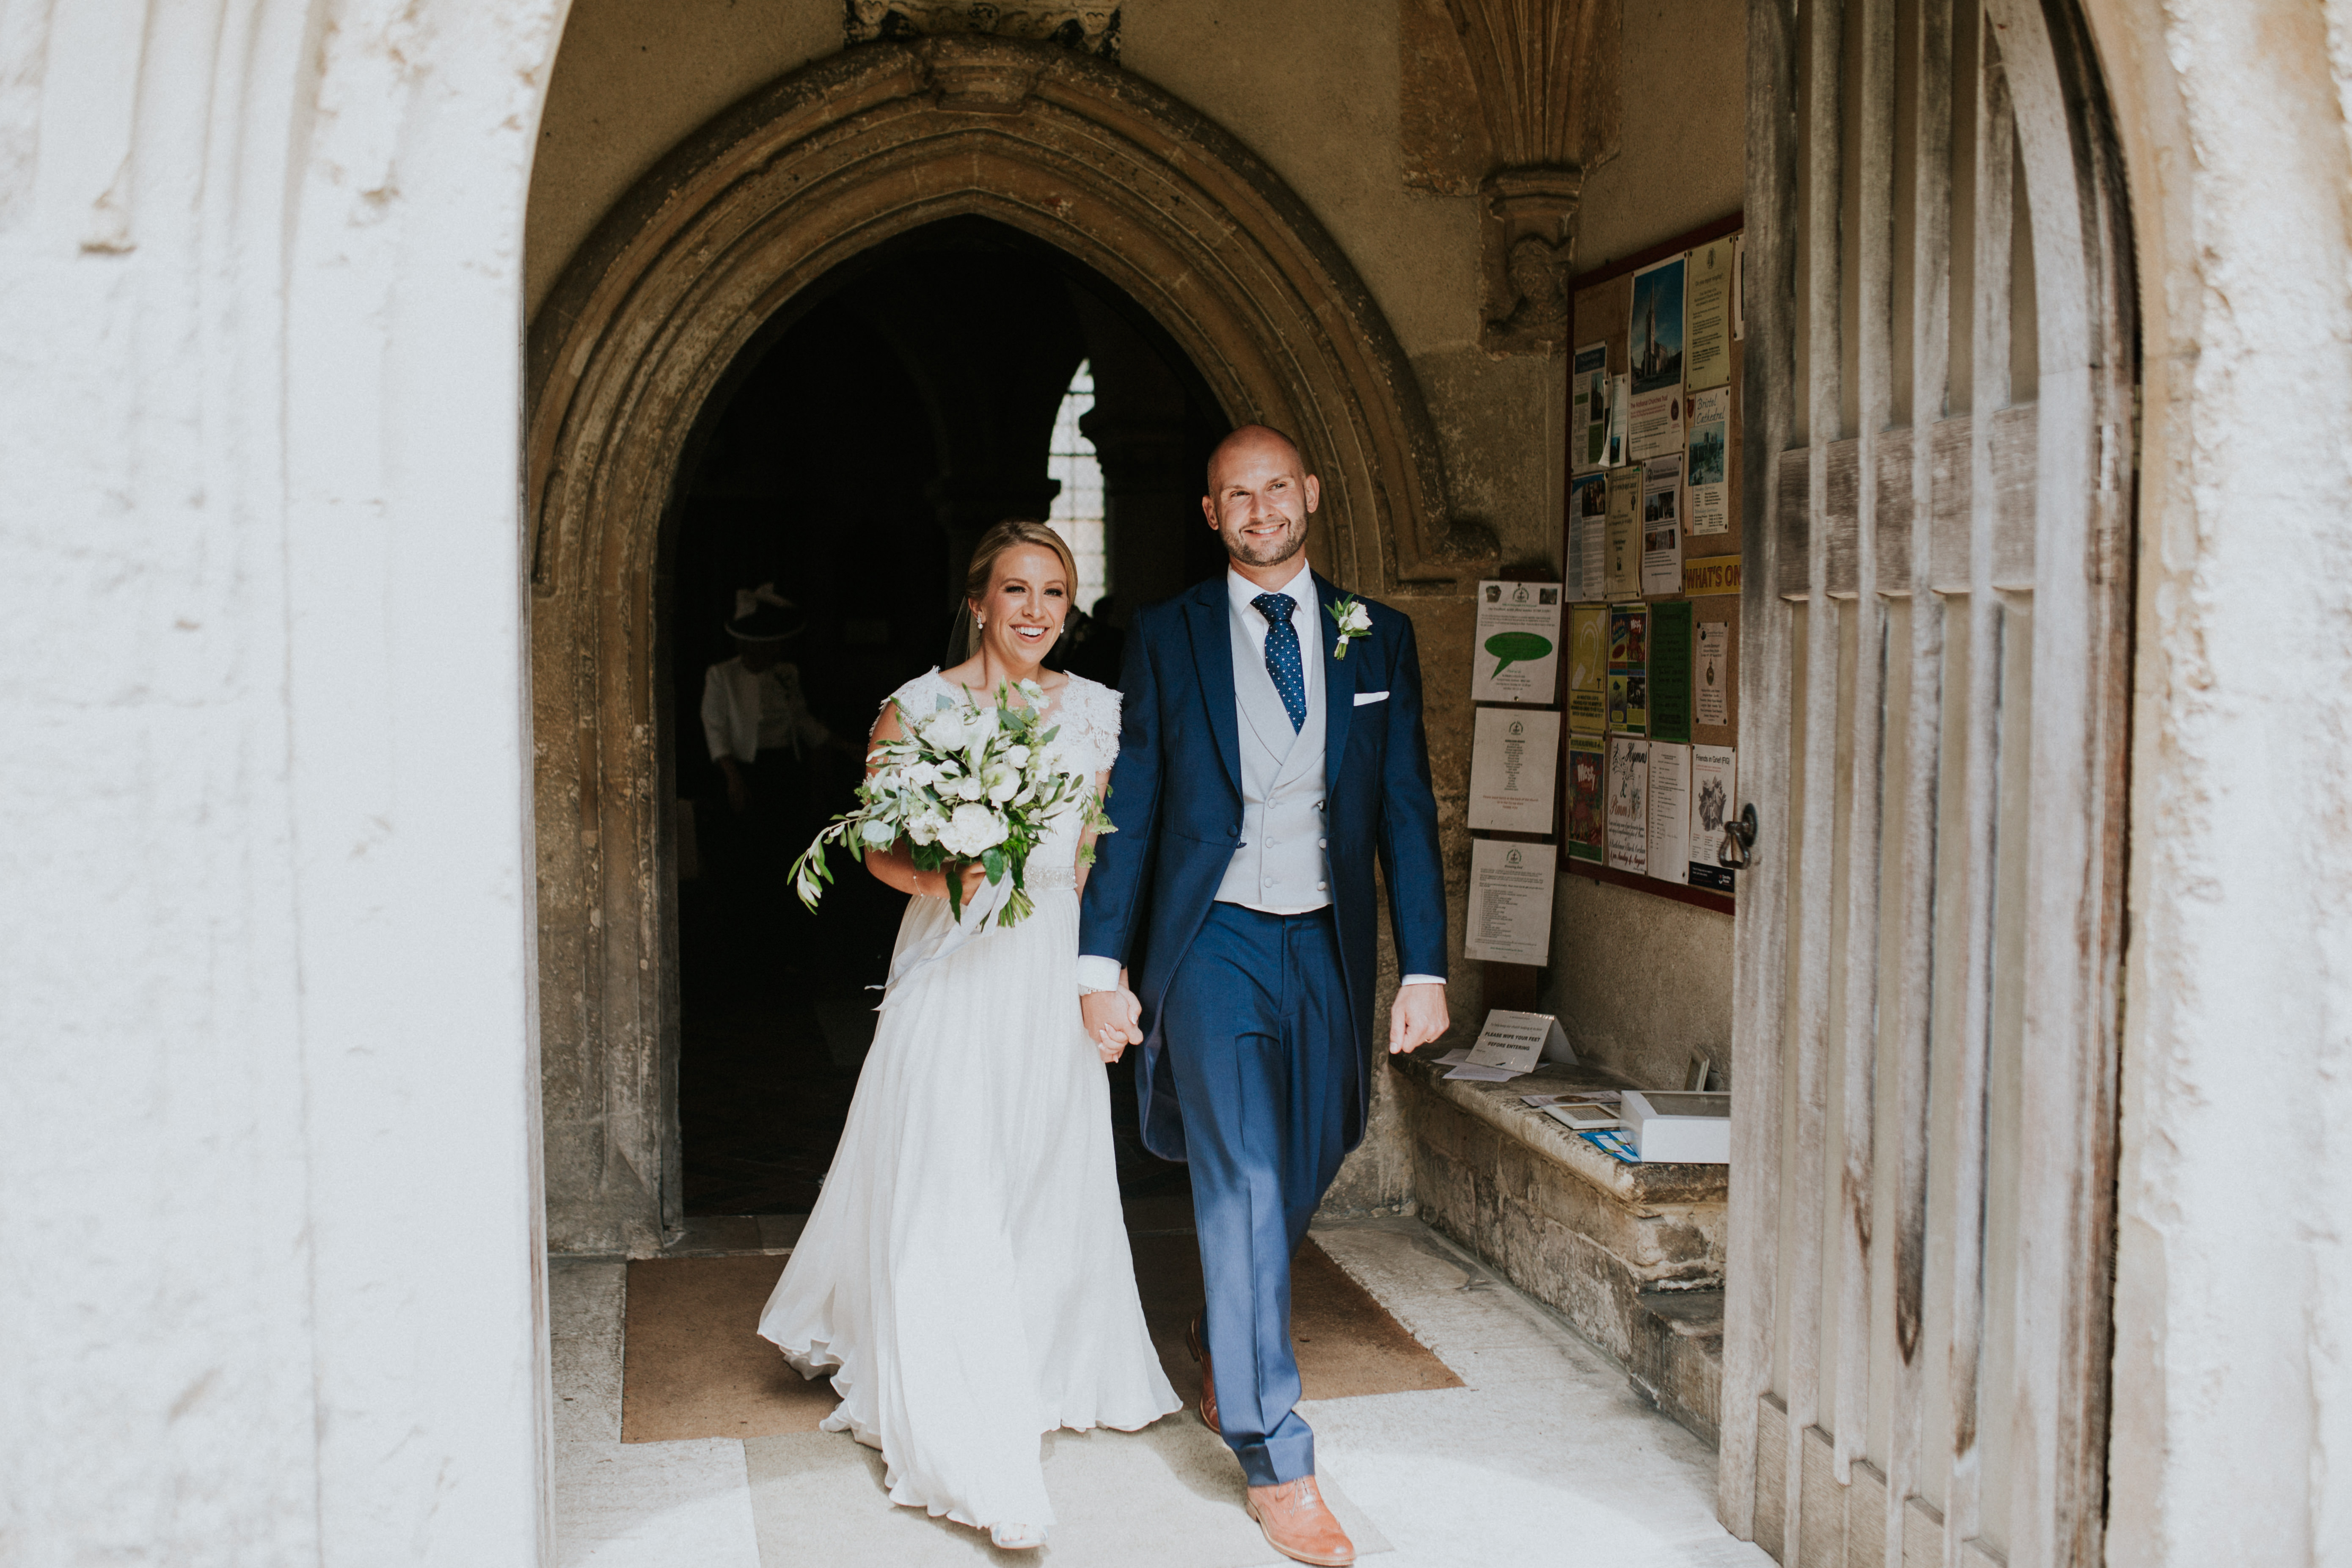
(1176, 800)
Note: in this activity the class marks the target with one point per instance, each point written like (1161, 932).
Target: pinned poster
(1670, 671)
(1622, 571)
(1517, 658)
(1513, 761)
(1654, 421)
(1629, 684)
(1510, 902)
(1588, 421)
(1711, 691)
(1629, 804)
(1668, 849)
(1588, 762)
(1588, 669)
(1708, 492)
(1588, 536)
(1714, 778)
(1708, 364)
(1662, 533)
(1620, 397)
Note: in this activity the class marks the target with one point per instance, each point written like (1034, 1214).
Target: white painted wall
(2232, 1430)
(268, 1210)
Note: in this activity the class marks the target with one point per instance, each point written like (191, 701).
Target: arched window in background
(1077, 514)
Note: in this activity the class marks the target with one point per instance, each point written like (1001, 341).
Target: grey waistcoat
(1282, 863)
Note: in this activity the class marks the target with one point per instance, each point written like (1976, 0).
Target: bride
(965, 1275)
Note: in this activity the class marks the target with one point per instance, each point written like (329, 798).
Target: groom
(1262, 764)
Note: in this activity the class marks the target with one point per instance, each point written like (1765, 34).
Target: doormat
(694, 1365)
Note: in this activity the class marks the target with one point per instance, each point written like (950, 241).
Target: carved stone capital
(977, 80)
(1527, 235)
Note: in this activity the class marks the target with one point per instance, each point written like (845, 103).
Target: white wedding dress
(965, 1275)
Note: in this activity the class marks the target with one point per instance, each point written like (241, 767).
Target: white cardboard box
(1673, 1126)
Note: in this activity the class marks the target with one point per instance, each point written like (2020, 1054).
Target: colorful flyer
(1629, 804)
(1655, 420)
(1588, 669)
(1588, 761)
(1670, 671)
(1629, 684)
(1622, 574)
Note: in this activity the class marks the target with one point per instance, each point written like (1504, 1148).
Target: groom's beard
(1268, 552)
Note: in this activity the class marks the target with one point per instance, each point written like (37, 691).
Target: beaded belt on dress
(1040, 879)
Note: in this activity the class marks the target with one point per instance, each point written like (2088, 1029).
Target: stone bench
(1631, 1255)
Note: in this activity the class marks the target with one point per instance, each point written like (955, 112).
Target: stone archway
(753, 208)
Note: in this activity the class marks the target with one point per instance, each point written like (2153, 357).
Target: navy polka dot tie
(1282, 655)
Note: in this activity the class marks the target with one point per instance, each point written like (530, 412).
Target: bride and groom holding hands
(965, 1276)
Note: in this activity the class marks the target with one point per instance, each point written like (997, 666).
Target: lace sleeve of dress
(1090, 720)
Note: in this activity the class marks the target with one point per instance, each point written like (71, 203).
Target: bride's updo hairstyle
(1009, 534)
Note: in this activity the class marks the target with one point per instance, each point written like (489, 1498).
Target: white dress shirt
(1100, 973)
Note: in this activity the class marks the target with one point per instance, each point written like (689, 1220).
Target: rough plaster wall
(1667, 995)
(1684, 76)
(1638, 980)
(269, 1253)
(2232, 1426)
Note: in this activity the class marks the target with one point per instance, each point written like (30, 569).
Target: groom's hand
(1418, 1017)
(1113, 1020)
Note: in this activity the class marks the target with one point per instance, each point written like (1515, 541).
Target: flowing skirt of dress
(965, 1274)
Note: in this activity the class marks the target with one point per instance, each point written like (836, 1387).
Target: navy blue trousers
(1257, 1030)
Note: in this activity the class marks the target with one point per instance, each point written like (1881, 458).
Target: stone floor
(1544, 1456)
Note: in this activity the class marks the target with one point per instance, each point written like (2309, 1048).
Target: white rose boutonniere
(1354, 621)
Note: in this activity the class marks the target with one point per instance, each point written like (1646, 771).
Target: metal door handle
(1739, 839)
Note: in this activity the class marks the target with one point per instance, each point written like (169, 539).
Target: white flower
(945, 731)
(878, 833)
(968, 789)
(919, 775)
(1000, 779)
(972, 830)
(1356, 620)
(1018, 755)
(926, 826)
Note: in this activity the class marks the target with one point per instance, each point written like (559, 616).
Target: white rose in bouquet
(1000, 779)
(972, 831)
(945, 731)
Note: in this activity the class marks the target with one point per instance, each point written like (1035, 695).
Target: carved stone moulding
(1527, 231)
(1088, 30)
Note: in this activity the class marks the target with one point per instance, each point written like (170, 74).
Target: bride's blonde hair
(1009, 534)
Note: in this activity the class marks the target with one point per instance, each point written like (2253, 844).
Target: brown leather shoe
(1208, 1376)
(1299, 1525)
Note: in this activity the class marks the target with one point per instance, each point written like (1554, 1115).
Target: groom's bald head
(1250, 441)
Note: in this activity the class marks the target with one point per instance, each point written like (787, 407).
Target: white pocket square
(1364, 696)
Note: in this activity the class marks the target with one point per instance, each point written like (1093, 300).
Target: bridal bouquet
(963, 784)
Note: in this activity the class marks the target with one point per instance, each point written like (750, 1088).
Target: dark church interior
(856, 449)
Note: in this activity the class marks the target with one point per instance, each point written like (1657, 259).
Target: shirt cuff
(1098, 973)
(1408, 980)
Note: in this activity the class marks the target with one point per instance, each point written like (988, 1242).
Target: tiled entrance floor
(1545, 1456)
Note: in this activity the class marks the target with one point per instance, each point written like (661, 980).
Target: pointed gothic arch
(749, 211)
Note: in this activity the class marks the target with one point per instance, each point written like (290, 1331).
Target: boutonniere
(1354, 621)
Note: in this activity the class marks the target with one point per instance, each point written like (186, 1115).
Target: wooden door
(1940, 379)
